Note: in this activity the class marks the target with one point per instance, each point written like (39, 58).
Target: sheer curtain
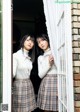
(50, 15)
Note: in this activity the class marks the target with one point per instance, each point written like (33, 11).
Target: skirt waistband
(22, 79)
(51, 75)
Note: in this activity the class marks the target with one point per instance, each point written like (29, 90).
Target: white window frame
(6, 15)
(6, 33)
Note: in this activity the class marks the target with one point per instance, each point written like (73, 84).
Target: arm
(14, 65)
(43, 66)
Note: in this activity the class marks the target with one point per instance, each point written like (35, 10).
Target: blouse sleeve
(43, 66)
(14, 65)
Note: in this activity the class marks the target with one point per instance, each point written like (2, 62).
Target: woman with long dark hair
(47, 95)
(23, 91)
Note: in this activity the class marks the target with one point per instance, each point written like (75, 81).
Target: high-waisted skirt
(23, 96)
(47, 94)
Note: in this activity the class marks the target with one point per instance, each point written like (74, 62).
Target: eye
(27, 39)
(32, 41)
(39, 42)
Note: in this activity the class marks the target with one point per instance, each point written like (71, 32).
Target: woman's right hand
(51, 60)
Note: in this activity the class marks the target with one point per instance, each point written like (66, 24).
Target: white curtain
(50, 15)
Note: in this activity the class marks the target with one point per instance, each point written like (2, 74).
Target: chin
(28, 48)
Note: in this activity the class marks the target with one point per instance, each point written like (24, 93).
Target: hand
(51, 60)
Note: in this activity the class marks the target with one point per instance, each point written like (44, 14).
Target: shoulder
(14, 55)
(17, 54)
(40, 57)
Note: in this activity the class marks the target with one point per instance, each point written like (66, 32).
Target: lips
(42, 46)
(29, 45)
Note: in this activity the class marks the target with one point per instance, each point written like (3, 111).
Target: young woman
(47, 94)
(23, 92)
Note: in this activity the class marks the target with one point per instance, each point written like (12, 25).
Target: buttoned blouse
(22, 64)
(44, 65)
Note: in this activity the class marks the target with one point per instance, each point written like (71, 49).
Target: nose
(30, 42)
(41, 43)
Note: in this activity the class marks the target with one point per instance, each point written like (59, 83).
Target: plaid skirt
(23, 96)
(47, 94)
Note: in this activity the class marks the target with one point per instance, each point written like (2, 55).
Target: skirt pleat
(47, 95)
(23, 96)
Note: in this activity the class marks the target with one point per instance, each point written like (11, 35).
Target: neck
(24, 50)
(47, 49)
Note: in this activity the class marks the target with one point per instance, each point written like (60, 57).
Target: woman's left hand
(51, 60)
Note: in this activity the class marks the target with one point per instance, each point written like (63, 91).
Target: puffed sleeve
(43, 66)
(14, 64)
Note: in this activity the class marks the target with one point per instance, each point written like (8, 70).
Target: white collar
(47, 52)
(25, 53)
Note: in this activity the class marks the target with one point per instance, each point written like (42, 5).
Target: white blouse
(44, 66)
(22, 64)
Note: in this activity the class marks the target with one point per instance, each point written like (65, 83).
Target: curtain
(51, 20)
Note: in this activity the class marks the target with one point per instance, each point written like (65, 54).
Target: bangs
(32, 38)
(43, 38)
(24, 39)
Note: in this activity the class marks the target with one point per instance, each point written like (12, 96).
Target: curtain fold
(50, 15)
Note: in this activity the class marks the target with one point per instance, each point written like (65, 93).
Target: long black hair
(32, 51)
(44, 37)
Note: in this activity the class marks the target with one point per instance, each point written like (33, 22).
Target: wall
(76, 53)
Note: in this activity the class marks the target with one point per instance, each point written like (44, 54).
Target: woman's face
(28, 44)
(43, 44)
